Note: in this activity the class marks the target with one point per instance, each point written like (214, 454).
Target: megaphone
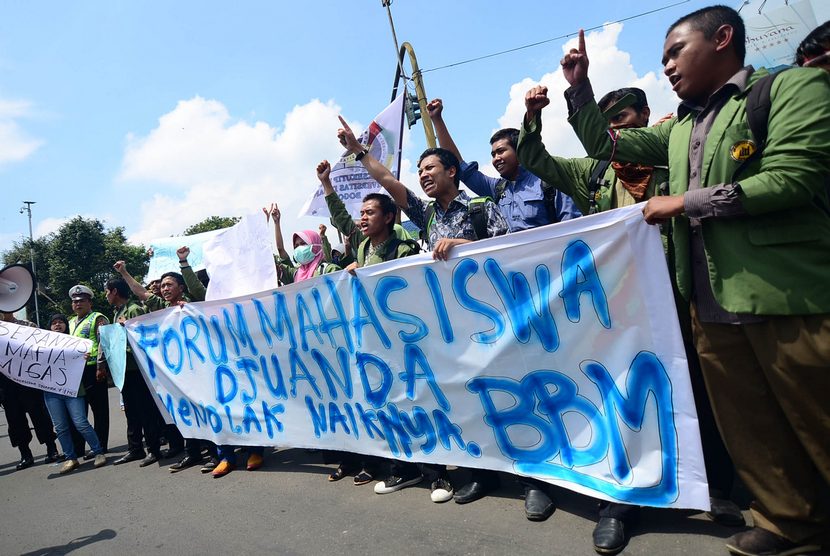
(17, 283)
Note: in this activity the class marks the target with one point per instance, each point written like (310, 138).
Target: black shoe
(538, 505)
(472, 491)
(149, 460)
(760, 542)
(25, 462)
(172, 452)
(609, 535)
(210, 465)
(395, 483)
(88, 456)
(184, 463)
(52, 457)
(128, 457)
(725, 512)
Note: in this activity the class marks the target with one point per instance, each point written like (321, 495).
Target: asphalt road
(288, 507)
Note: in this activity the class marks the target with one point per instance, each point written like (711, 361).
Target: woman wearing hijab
(308, 252)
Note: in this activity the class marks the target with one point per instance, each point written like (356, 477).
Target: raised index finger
(345, 125)
(582, 42)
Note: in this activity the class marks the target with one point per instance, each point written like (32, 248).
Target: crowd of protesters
(746, 236)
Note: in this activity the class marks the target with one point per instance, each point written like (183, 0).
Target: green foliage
(80, 252)
(212, 223)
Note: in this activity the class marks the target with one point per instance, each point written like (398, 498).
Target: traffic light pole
(421, 96)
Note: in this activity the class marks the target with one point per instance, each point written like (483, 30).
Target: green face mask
(303, 254)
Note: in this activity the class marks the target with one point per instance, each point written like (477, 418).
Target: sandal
(363, 478)
(338, 474)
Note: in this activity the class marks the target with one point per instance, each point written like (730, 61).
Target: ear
(723, 37)
(646, 112)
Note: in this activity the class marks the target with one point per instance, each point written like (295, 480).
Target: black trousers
(141, 412)
(18, 400)
(97, 399)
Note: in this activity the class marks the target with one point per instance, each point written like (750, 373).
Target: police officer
(85, 324)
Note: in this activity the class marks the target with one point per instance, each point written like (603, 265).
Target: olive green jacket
(775, 260)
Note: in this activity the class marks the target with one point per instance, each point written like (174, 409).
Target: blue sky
(153, 115)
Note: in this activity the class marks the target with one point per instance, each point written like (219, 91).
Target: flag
(350, 180)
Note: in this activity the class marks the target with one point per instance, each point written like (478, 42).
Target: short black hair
(814, 44)
(614, 96)
(120, 286)
(509, 133)
(175, 276)
(709, 20)
(446, 157)
(387, 206)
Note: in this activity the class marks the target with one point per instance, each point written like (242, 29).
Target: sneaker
(441, 490)
(758, 542)
(222, 469)
(254, 462)
(209, 465)
(100, 460)
(394, 484)
(70, 465)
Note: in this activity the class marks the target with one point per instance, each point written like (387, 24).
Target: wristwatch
(359, 156)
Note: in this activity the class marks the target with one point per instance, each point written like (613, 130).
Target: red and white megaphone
(17, 283)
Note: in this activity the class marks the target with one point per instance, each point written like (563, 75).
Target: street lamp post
(28, 209)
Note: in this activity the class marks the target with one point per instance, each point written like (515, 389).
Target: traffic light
(412, 109)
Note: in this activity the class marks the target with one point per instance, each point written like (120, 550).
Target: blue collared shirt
(523, 202)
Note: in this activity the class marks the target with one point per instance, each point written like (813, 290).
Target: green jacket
(342, 220)
(286, 269)
(775, 260)
(571, 175)
(195, 288)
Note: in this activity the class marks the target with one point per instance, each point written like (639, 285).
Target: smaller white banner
(773, 36)
(42, 359)
(240, 260)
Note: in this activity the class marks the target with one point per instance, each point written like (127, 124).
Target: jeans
(64, 409)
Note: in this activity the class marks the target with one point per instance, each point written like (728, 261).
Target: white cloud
(15, 143)
(215, 165)
(610, 68)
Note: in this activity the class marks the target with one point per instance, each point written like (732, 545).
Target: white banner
(553, 353)
(42, 359)
(240, 259)
(773, 36)
(165, 259)
(349, 178)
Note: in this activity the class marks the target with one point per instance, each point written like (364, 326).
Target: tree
(212, 223)
(80, 252)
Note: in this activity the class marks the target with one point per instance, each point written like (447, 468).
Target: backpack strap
(595, 182)
(501, 185)
(478, 216)
(362, 251)
(758, 105)
(429, 216)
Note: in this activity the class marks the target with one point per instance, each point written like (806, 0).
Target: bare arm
(378, 171)
(435, 108)
(274, 212)
(139, 290)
